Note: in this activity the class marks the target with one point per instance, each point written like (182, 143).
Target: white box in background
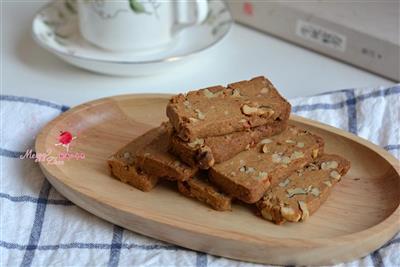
(363, 33)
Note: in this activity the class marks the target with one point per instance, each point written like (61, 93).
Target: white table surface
(28, 70)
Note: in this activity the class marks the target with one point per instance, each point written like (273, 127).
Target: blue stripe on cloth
(150, 247)
(12, 154)
(201, 259)
(378, 93)
(30, 100)
(37, 225)
(351, 104)
(116, 245)
(128, 246)
(339, 105)
(386, 91)
(391, 242)
(377, 259)
(64, 108)
(391, 147)
(24, 198)
(9, 245)
(56, 247)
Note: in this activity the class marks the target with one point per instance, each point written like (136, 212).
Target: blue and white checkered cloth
(41, 228)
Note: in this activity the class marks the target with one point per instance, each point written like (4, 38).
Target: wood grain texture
(362, 213)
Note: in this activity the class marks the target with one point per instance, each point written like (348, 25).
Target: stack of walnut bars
(234, 143)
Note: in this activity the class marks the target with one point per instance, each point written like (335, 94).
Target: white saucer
(55, 28)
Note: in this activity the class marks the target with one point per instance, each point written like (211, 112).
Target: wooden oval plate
(361, 215)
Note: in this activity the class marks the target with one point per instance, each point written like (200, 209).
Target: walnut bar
(122, 163)
(302, 193)
(155, 160)
(201, 189)
(250, 173)
(219, 110)
(206, 152)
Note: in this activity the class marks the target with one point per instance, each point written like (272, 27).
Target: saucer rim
(166, 59)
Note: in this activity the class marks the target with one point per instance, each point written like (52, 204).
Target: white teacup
(137, 25)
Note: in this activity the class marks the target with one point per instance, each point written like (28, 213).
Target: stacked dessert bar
(234, 143)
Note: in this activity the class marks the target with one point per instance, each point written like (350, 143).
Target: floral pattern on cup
(135, 6)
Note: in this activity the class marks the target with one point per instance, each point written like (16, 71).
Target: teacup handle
(202, 13)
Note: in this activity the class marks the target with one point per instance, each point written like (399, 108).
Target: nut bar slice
(122, 163)
(218, 110)
(216, 149)
(155, 160)
(200, 188)
(302, 193)
(249, 174)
